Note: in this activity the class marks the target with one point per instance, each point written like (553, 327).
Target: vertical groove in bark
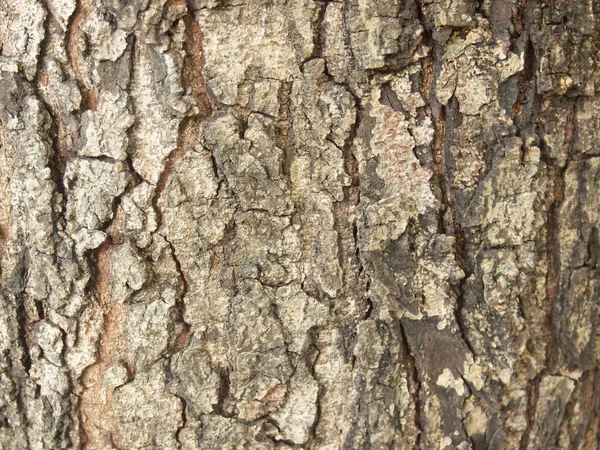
(193, 63)
(23, 324)
(414, 387)
(553, 288)
(98, 422)
(73, 40)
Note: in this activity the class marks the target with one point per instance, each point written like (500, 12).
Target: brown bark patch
(192, 64)
(96, 413)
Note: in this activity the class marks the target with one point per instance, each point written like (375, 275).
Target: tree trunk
(285, 224)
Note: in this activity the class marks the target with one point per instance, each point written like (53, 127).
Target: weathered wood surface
(260, 224)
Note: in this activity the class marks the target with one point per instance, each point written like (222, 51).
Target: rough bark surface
(285, 224)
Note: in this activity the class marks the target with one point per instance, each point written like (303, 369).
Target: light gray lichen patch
(254, 47)
(407, 192)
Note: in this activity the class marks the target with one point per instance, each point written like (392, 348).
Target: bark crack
(95, 410)
(73, 39)
(57, 152)
(414, 386)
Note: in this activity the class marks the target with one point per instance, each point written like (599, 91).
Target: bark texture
(299, 224)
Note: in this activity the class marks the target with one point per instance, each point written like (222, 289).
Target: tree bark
(285, 224)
